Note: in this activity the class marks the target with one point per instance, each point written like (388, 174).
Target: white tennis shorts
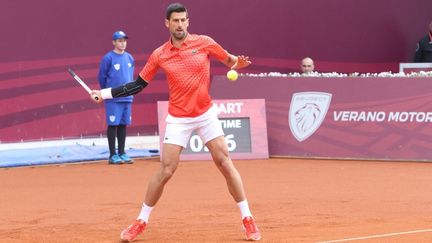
(179, 129)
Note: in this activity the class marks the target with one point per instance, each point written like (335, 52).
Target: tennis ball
(232, 75)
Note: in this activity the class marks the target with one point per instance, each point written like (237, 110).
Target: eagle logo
(307, 112)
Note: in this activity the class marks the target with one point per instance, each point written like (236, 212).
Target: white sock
(145, 213)
(244, 209)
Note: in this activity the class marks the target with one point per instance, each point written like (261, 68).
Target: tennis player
(185, 58)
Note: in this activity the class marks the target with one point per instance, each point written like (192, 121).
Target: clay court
(293, 201)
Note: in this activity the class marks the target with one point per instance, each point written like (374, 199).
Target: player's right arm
(127, 89)
(132, 88)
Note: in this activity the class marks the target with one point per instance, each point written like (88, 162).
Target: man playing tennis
(185, 60)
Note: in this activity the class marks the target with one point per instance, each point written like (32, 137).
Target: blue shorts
(118, 113)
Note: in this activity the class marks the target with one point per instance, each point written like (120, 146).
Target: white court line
(377, 236)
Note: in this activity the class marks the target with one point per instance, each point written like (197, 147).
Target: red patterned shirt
(188, 72)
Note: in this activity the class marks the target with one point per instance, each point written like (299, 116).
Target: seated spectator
(307, 66)
(424, 48)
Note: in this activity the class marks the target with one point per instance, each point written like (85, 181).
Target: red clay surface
(293, 201)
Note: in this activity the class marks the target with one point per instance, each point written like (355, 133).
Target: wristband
(106, 94)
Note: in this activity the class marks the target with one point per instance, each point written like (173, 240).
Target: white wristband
(106, 94)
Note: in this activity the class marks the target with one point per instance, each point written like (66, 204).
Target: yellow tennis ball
(232, 75)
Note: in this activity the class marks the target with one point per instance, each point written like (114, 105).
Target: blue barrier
(63, 154)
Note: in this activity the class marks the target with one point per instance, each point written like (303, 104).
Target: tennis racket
(84, 85)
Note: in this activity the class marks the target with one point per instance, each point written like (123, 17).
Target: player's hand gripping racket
(95, 97)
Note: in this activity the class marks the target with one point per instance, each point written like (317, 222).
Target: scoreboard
(244, 125)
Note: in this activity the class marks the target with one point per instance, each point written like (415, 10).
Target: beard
(179, 35)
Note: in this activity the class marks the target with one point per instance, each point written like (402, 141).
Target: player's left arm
(231, 61)
(236, 62)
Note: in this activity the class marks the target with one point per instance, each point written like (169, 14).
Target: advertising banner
(359, 118)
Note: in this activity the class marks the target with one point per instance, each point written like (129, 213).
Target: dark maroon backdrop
(40, 39)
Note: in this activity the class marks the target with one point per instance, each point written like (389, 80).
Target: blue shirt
(116, 70)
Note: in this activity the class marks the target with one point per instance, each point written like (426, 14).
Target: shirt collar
(185, 42)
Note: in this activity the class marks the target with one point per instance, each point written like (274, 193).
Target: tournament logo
(307, 112)
(117, 66)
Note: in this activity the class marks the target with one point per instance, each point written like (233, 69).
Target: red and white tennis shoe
(138, 226)
(251, 229)
(132, 232)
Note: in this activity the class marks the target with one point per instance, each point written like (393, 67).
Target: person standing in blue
(117, 68)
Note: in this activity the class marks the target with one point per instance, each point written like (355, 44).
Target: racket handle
(96, 98)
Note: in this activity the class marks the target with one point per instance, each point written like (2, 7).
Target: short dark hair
(175, 7)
